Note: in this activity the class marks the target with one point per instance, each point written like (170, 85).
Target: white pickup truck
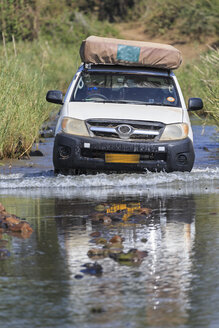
(123, 118)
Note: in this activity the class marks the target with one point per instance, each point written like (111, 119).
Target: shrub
(194, 19)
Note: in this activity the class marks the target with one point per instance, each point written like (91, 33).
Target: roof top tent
(108, 51)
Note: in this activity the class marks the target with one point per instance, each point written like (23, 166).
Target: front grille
(142, 137)
(126, 130)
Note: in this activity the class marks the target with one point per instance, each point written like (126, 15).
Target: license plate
(122, 158)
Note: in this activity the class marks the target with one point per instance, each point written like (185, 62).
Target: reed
(201, 79)
(25, 77)
(210, 79)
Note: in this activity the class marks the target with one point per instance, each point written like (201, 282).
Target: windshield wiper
(137, 102)
(117, 101)
(105, 101)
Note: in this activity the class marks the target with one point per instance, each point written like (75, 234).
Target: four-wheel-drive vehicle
(124, 111)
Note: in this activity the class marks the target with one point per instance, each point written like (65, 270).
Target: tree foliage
(193, 18)
(111, 10)
(28, 19)
(18, 17)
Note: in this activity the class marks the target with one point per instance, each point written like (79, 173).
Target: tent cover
(109, 51)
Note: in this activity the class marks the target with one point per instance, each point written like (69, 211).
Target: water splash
(197, 181)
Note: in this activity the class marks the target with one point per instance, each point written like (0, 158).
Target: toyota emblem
(124, 130)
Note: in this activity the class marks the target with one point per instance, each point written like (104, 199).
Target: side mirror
(195, 104)
(55, 96)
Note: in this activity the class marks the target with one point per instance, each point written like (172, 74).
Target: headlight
(74, 126)
(175, 132)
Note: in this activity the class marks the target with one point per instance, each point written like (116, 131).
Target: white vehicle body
(83, 111)
(123, 128)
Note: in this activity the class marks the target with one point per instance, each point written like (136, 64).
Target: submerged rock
(95, 234)
(97, 217)
(4, 254)
(36, 153)
(114, 251)
(101, 241)
(145, 210)
(116, 239)
(12, 220)
(117, 217)
(3, 243)
(79, 276)
(97, 310)
(47, 132)
(96, 253)
(107, 220)
(21, 235)
(115, 245)
(138, 255)
(12, 223)
(133, 256)
(2, 209)
(14, 226)
(100, 208)
(21, 227)
(92, 269)
(3, 226)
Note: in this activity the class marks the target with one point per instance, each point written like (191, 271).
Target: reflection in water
(170, 268)
(163, 280)
(160, 292)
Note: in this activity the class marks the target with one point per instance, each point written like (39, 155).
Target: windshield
(126, 88)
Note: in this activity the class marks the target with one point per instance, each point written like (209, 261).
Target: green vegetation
(24, 80)
(57, 20)
(66, 20)
(39, 51)
(201, 79)
(30, 68)
(188, 19)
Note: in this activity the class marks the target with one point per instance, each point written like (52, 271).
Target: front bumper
(82, 153)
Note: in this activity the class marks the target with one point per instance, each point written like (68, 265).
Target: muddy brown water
(176, 285)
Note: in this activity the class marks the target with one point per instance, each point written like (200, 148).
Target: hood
(91, 110)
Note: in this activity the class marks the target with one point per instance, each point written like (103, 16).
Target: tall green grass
(201, 79)
(24, 80)
(29, 69)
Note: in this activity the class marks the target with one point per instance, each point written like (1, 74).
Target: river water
(175, 285)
